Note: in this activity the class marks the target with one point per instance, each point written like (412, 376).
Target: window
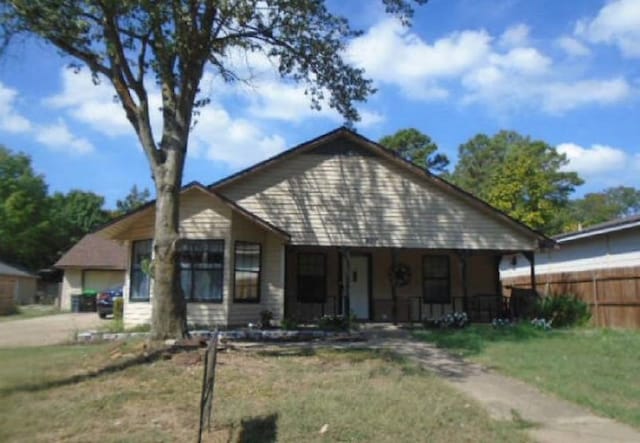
(139, 278)
(201, 270)
(436, 287)
(312, 278)
(247, 272)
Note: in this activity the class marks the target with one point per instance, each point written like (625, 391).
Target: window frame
(137, 268)
(235, 271)
(189, 297)
(324, 278)
(425, 278)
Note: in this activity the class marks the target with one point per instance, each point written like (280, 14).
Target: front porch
(429, 283)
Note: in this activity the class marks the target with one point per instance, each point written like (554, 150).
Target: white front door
(359, 285)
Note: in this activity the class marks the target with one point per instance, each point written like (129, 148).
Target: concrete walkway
(556, 420)
(47, 330)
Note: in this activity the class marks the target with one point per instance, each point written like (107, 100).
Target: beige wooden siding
(71, 284)
(366, 200)
(271, 278)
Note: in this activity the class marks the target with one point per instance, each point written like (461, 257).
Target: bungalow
(337, 224)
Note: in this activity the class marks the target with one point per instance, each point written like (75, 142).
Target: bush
(289, 324)
(337, 322)
(118, 308)
(265, 319)
(563, 310)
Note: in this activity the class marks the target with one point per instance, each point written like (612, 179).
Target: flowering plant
(501, 322)
(452, 320)
(542, 323)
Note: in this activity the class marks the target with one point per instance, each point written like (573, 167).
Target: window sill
(214, 302)
(247, 301)
(139, 300)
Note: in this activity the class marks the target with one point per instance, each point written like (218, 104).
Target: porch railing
(480, 308)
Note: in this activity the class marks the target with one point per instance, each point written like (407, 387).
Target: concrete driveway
(48, 330)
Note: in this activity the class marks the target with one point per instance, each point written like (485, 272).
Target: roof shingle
(94, 252)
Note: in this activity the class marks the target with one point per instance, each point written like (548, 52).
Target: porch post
(394, 295)
(531, 256)
(462, 255)
(346, 287)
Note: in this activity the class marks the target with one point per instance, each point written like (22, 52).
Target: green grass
(30, 311)
(112, 392)
(593, 367)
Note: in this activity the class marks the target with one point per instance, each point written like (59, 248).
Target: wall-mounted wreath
(400, 275)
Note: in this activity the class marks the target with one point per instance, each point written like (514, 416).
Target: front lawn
(596, 368)
(30, 311)
(107, 392)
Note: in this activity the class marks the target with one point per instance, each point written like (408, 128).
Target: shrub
(289, 323)
(118, 308)
(265, 319)
(563, 310)
(499, 323)
(334, 323)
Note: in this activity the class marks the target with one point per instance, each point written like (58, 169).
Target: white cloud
(236, 142)
(392, 54)
(516, 35)
(10, 119)
(573, 47)
(504, 73)
(90, 104)
(598, 159)
(618, 22)
(58, 137)
(559, 97)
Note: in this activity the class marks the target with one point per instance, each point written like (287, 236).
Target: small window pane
(247, 272)
(201, 269)
(436, 279)
(312, 278)
(139, 280)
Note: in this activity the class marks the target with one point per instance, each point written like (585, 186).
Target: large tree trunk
(169, 309)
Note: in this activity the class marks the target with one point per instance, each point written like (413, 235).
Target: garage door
(100, 280)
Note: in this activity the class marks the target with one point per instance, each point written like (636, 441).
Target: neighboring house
(325, 228)
(599, 264)
(94, 263)
(20, 284)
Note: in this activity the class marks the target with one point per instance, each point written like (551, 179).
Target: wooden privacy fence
(7, 290)
(612, 294)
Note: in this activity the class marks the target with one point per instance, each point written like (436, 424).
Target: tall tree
(23, 208)
(132, 42)
(598, 207)
(72, 215)
(524, 178)
(416, 147)
(134, 199)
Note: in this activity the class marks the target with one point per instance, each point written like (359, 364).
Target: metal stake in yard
(208, 381)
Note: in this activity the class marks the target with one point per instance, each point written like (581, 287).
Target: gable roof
(619, 224)
(94, 252)
(194, 185)
(13, 271)
(342, 132)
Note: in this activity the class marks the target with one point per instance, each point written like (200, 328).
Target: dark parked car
(104, 300)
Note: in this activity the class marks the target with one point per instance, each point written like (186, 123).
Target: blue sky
(566, 72)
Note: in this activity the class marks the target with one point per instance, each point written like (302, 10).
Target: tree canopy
(598, 207)
(416, 147)
(23, 209)
(134, 199)
(523, 177)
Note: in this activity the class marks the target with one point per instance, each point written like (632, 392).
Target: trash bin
(88, 301)
(75, 302)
